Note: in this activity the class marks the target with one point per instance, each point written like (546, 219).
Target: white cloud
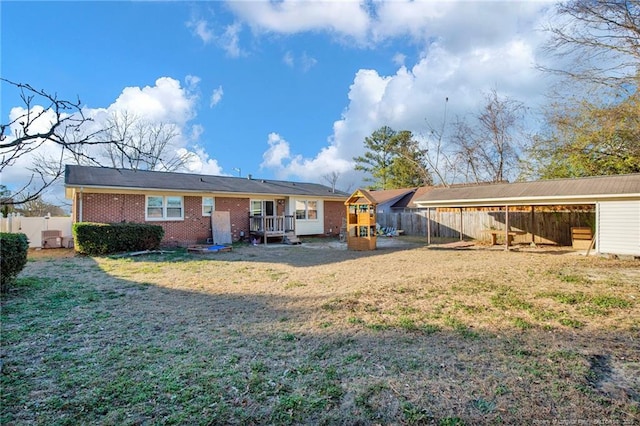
(278, 158)
(459, 24)
(290, 16)
(196, 131)
(288, 59)
(399, 59)
(277, 153)
(467, 48)
(230, 40)
(216, 96)
(413, 99)
(305, 62)
(165, 102)
(202, 163)
(201, 29)
(192, 82)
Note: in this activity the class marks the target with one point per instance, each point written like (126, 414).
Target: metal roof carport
(616, 197)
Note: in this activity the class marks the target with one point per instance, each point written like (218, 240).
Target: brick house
(185, 204)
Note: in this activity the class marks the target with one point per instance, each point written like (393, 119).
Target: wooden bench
(581, 238)
(495, 232)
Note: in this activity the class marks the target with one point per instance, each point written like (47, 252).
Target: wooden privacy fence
(542, 226)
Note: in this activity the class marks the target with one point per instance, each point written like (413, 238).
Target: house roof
(382, 196)
(125, 179)
(408, 201)
(554, 191)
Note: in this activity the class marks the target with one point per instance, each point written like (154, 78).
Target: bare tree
(437, 157)
(598, 42)
(58, 121)
(39, 208)
(147, 145)
(490, 146)
(332, 179)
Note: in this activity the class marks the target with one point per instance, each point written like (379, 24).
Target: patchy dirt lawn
(316, 334)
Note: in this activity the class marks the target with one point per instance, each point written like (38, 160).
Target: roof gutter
(106, 188)
(554, 200)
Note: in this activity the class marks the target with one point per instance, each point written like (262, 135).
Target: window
(262, 207)
(208, 206)
(164, 208)
(306, 209)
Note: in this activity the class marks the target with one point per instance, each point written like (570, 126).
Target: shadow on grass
(305, 255)
(82, 347)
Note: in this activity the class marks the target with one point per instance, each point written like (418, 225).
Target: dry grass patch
(300, 334)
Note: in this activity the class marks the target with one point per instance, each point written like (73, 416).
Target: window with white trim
(262, 208)
(164, 207)
(208, 206)
(306, 209)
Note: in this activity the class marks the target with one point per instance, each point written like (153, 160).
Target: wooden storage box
(581, 238)
(361, 244)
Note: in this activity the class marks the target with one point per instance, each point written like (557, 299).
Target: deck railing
(272, 225)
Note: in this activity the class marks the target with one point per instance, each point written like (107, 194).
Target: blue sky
(286, 89)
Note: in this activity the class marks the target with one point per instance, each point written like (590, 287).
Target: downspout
(80, 205)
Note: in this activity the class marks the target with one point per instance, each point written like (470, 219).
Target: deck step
(290, 238)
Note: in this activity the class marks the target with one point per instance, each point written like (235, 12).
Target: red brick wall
(334, 212)
(194, 229)
(111, 208)
(238, 209)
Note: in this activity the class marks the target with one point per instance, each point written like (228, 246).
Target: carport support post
(506, 227)
(428, 226)
(533, 224)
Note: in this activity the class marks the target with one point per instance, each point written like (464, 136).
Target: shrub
(13, 257)
(101, 238)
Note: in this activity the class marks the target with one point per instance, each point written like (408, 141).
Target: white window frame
(262, 211)
(212, 206)
(165, 208)
(306, 209)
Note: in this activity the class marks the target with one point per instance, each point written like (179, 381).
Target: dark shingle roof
(105, 177)
(385, 195)
(577, 189)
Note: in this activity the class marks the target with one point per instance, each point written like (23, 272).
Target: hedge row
(102, 238)
(13, 257)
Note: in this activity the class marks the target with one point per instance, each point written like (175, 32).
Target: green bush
(13, 257)
(102, 238)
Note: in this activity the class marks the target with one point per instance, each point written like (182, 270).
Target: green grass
(242, 340)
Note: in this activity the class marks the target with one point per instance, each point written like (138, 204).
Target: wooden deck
(265, 227)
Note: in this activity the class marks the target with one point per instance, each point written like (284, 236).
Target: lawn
(315, 334)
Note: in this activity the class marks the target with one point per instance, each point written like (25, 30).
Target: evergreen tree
(393, 160)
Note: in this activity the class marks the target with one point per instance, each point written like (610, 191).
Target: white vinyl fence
(32, 227)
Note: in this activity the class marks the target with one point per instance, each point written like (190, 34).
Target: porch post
(264, 228)
(461, 230)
